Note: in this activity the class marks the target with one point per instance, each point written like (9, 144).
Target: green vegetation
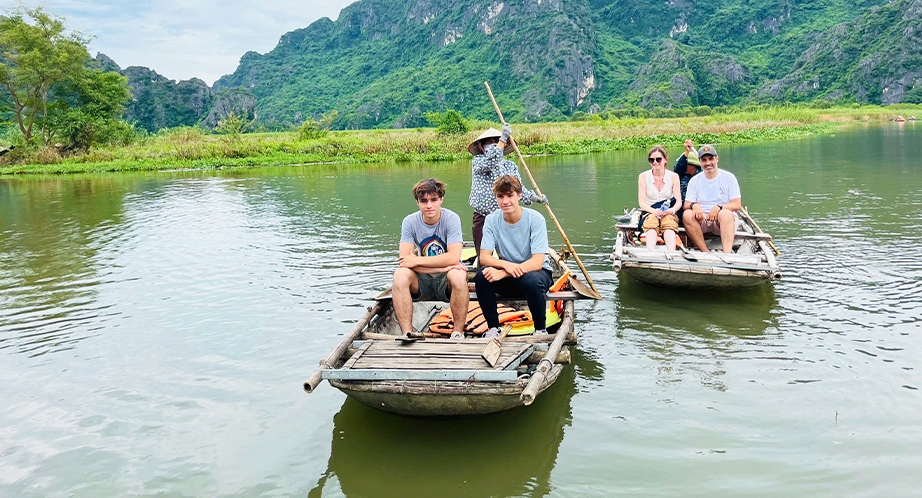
(50, 96)
(449, 122)
(194, 148)
(392, 64)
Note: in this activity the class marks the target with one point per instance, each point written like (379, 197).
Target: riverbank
(191, 148)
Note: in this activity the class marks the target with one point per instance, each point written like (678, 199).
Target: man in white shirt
(711, 203)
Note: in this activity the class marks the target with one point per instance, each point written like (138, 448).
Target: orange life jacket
(476, 324)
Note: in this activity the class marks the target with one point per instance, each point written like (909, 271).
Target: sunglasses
(656, 160)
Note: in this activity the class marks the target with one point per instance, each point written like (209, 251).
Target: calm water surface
(155, 330)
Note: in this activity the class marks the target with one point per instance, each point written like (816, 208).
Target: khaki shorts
(668, 222)
(433, 287)
(708, 226)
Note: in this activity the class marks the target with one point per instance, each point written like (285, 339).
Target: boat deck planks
(432, 355)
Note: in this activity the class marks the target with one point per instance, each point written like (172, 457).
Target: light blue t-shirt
(516, 242)
(710, 193)
(431, 240)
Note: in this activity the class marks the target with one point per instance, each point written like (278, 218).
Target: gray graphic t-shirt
(431, 240)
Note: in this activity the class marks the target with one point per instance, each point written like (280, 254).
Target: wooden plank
(517, 358)
(357, 355)
(691, 266)
(421, 365)
(424, 375)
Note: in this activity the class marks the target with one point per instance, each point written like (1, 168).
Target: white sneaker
(493, 332)
(541, 332)
(457, 335)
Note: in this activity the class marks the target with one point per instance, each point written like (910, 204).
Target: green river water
(155, 329)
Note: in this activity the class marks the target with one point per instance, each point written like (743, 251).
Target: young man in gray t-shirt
(430, 258)
(519, 236)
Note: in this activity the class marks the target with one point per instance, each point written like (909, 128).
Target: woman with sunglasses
(659, 197)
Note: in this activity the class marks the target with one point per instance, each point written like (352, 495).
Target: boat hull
(447, 399)
(684, 277)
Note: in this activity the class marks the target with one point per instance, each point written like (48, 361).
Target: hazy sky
(181, 39)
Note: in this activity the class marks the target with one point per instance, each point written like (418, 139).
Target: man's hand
(712, 214)
(408, 261)
(514, 269)
(688, 146)
(505, 133)
(494, 274)
(699, 214)
(540, 199)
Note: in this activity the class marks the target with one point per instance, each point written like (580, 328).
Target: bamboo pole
(547, 205)
(539, 378)
(745, 212)
(315, 379)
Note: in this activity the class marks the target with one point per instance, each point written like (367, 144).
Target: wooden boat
(440, 376)
(752, 262)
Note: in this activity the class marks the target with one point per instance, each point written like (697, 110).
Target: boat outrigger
(431, 374)
(752, 263)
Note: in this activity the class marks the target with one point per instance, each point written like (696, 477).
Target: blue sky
(181, 39)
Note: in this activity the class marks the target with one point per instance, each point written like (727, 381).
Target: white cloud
(181, 39)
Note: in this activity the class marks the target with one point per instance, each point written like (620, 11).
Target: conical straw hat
(490, 133)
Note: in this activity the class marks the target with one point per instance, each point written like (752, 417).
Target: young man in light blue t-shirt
(519, 236)
(430, 258)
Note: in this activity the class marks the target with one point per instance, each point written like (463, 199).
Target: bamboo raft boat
(752, 263)
(439, 376)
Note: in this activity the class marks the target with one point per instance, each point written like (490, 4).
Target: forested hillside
(386, 63)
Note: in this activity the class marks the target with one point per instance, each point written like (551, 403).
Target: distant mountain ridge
(385, 63)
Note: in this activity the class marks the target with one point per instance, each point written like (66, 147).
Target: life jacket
(521, 320)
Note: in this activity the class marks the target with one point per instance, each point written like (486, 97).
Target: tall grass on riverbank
(192, 148)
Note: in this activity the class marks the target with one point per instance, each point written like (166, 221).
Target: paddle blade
(491, 352)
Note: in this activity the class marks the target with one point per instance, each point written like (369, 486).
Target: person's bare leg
(460, 297)
(405, 284)
(650, 238)
(727, 229)
(693, 230)
(669, 237)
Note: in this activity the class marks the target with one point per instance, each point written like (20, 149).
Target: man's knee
(725, 218)
(457, 279)
(404, 277)
(688, 217)
(537, 280)
(479, 279)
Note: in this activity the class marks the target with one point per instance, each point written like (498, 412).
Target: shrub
(450, 122)
(313, 128)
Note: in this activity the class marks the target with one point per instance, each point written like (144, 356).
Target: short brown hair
(428, 186)
(506, 185)
(661, 150)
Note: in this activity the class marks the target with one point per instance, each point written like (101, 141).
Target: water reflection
(694, 334)
(506, 454)
(56, 236)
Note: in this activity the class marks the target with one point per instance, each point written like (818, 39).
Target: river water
(155, 329)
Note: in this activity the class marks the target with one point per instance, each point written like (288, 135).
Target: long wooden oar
(745, 212)
(547, 205)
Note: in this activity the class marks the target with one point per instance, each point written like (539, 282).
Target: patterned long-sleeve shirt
(485, 169)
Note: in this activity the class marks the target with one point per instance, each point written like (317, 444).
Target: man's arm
(500, 269)
(734, 204)
(420, 263)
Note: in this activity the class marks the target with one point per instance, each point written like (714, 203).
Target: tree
(35, 54)
(87, 109)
